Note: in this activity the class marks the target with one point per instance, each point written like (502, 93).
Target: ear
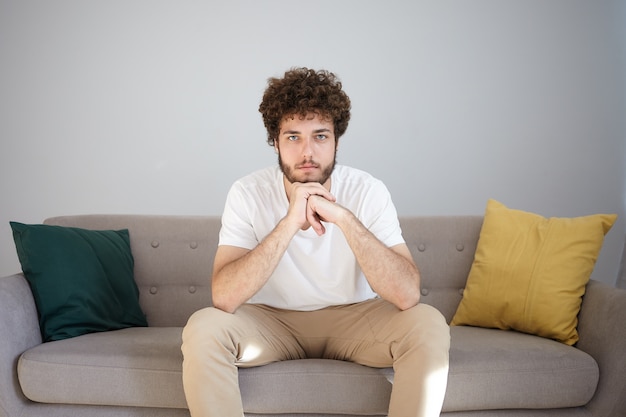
(276, 146)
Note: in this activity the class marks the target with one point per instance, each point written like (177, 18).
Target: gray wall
(145, 106)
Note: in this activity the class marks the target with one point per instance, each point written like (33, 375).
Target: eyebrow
(294, 132)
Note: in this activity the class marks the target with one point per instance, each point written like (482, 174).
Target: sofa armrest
(602, 331)
(19, 331)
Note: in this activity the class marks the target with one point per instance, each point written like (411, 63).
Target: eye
(292, 138)
(321, 137)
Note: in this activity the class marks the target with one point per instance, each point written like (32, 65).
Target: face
(306, 149)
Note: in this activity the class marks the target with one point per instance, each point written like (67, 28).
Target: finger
(314, 188)
(314, 220)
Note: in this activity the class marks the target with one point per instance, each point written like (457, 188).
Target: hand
(299, 195)
(319, 209)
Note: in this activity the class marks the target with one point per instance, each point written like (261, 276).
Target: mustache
(308, 162)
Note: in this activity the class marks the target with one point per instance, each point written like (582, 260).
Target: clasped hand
(310, 204)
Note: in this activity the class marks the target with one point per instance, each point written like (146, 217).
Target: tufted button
(153, 290)
(461, 290)
(192, 289)
(425, 291)
(193, 245)
(421, 247)
(460, 247)
(155, 244)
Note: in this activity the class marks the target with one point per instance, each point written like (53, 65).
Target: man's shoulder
(259, 178)
(347, 174)
(261, 188)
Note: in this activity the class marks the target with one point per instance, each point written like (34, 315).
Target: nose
(307, 148)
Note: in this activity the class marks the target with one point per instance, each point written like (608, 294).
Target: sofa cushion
(489, 369)
(138, 366)
(504, 369)
(529, 272)
(82, 280)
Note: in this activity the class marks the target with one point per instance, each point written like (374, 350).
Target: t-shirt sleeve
(237, 227)
(380, 215)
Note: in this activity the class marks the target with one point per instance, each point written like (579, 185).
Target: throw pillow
(530, 272)
(82, 280)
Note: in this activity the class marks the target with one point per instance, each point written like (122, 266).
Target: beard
(322, 178)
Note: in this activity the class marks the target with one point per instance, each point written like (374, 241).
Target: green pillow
(82, 280)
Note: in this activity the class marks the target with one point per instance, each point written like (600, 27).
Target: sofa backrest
(174, 258)
(443, 248)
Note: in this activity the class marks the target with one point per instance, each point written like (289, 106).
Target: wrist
(345, 218)
(289, 225)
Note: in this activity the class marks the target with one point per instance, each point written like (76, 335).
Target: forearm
(237, 281)
(391, 275)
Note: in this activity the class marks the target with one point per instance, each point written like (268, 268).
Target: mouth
(307, 166)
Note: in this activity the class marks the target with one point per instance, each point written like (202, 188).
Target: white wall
(145, 106)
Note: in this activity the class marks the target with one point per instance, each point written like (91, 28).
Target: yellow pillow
(529, 272)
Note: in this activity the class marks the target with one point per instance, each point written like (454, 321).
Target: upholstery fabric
(529, 272)
(601, 327)
(495, 369)
(138, 366)
(621, 276)
(443, 248)
(82, 280)
(490, 369)
(173, 260)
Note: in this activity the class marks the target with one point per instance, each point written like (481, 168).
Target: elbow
(411, 294)
(222, 298)
(224, 308)
(408, 301)
(408, 298)
(223, 303)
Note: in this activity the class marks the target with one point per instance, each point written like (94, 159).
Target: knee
(204, 315)
(428, 326)
(199, 319)
(203, 326)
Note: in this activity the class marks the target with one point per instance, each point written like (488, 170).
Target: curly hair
(302, 91)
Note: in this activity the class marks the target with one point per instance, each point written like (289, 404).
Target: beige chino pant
(372, 333)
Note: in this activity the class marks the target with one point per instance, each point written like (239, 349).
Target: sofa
(136, 371)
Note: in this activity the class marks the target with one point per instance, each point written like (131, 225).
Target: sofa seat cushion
(489, 369)
(503, 369)
(139, 366)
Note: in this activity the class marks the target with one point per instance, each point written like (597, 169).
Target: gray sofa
(137, 371)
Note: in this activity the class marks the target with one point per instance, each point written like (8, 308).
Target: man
(311, 263)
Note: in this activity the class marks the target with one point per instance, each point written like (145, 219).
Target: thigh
(254, 334)
(377, 326)
(268, 339)
(338, 332)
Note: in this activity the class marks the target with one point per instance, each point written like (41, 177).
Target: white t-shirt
(315, 271)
